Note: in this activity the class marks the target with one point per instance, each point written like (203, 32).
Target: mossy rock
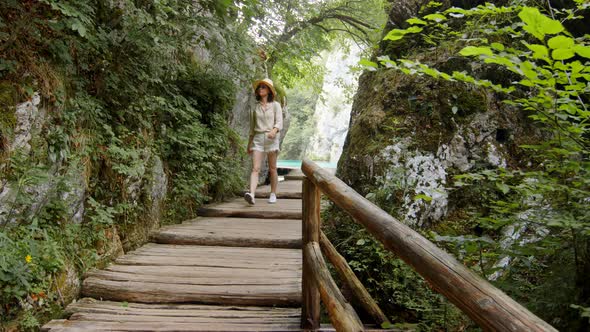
(8, 101)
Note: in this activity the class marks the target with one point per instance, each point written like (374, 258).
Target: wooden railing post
(310, 312)
(342, 315)
(348, 276)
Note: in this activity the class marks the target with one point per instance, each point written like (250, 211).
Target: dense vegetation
(523, 225)
(121, 88)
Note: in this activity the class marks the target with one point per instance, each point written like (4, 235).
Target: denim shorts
(262, 143)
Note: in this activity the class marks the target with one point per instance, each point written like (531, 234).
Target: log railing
(488, 306)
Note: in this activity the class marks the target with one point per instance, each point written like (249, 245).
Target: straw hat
(268, 83)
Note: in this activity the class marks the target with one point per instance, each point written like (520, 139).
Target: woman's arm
(278, 126)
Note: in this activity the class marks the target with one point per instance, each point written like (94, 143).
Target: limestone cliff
(409, 135)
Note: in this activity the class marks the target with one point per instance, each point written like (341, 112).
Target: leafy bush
(121, 85)
(546, 201)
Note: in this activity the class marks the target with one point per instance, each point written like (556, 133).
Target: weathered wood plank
(88, 305)
(163, 308)
(342, 315)
(219, 281)
(286, 190)
(287, 295)
(246, 263)
(197, 250)
(283, 209)
(240, 232)
(488, 306)
(310, 316)
(79, 326)
(122, 317)
(204, 272)
(355, 285)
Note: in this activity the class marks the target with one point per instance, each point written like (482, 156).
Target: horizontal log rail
(488, 306)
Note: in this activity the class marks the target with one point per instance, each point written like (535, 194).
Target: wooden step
(238, 207)
(90, 314)
(285, 189)
(93, 315)
(236, 232)
(201, 274)
(295, 174)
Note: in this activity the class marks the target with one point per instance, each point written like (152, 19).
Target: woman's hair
(270, 97)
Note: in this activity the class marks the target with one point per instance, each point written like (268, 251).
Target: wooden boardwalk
(235, 268)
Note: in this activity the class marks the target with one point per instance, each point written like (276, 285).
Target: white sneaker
(273, 198)
(249, 198)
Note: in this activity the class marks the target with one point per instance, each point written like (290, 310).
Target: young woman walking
(266, 122)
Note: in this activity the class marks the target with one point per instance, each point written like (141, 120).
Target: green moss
(7, 106)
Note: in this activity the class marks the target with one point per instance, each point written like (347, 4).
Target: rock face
(410, 135)
(38, 185)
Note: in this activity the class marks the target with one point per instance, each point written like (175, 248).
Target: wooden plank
(121, 317)
(342, 315)
(286, 190)
(283, 209)
(163, 308)
(80, 325)
(197, 250)
(257, 280)
(88, 305)
(203, 272)
(485, 304)
(352, 281)
(295, 175)
(251, 263)
(240, 232)
(218, 239)
(287, 295)
(310, 316)
(234, 222)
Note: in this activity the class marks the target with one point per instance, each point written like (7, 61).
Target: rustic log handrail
(348, 276)
(488, 306)
(342, 315)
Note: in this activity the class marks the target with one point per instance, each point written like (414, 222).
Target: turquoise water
(297, 164)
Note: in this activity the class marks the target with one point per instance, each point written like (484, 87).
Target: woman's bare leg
(256, 162)
(272, 170)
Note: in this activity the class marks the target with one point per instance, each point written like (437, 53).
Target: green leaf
(528, 70)
(435, 17)
(456, 10)
(527, 83)
(415, 20)
(497, 46)
(424, 197)
(414, 29)
(582, 50)
(504, 188)
(370, 65)
(386, 325)
(473, 50)
(560, 42)
(539, 51)
(562, 54)
(360, 242)
(397, 34)
(77, 26)
(501, 61)
(538, 24)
